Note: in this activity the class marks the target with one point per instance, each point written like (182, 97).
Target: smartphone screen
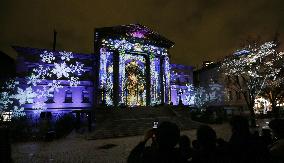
(155, 124)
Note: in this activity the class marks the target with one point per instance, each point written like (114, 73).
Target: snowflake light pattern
(36, 89)
(61, 70)
(66, 56)
(47, 57)
(74, 81)
(78, 68)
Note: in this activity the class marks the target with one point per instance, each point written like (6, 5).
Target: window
(50, 97)
(85, 96)
(45, 115)
(230, 96)
(68, 96)
(6, 116)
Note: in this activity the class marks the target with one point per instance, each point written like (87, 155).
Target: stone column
(161, 80)
(96, 68)
(148, 81)
(115, 78)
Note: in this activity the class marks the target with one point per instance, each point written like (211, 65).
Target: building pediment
(136, 32)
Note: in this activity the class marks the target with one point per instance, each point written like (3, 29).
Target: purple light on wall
(138, 34)
(53, 92)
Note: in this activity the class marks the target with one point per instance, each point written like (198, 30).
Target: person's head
(206, 136)
(184, 142)
(167, 135)
(240, 125)
(266, 132)
(277, 127)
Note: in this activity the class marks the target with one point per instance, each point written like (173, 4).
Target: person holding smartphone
(164, 139)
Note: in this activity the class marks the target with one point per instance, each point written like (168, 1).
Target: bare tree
(247, 71)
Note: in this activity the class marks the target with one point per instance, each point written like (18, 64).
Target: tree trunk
(275, 110)
(252, 117)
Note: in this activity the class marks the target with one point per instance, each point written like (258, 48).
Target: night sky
(201, 29)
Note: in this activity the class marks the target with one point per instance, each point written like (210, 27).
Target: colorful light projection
(132, 80)
(134, 85)
(182, 90)
(138, 31)
(132, 68)
(124, 45)
(106, 76)
(155, 79)
(167, 78)
(53, 82)
(184, 93)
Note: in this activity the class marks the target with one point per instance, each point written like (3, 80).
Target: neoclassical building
(134, 66)
(130, 67)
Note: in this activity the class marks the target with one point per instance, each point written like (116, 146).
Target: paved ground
(117, 132)
(76, 148)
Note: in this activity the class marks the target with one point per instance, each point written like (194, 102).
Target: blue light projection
(132, 72)
(60, 81)
(50, 81)
(155, 85)
(167, 78)
(124, 45)
(182, 89)
(106, 76)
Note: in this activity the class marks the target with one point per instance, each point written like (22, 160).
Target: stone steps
(131, 122)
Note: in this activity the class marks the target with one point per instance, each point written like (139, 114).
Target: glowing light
(61, 70)
(256, 71)
(137, 34)
(132, 90)
(47, 57)
(35, 89)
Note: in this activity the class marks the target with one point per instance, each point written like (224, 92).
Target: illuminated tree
(249, 69)
(273, 86)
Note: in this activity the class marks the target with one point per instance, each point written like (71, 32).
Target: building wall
(44, 94)
(227, 96)
(181, 82)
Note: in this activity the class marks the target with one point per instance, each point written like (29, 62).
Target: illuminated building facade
(54, 81)
(220, 92)
(181, 84)
(130, 67)
(134, 66)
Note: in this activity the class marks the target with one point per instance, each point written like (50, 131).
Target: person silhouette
(277, 148)
(244, 146)
(185, 148)
(164, 140)
(206, 140)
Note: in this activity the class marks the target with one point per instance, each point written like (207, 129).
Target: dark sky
(201, 29)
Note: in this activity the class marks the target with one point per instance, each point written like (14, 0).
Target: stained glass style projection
(132, 72)
(132, 80)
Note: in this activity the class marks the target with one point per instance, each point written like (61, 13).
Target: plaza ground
(77, 148)
(116, 134)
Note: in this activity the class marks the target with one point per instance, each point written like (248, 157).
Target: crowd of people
(168, 146)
